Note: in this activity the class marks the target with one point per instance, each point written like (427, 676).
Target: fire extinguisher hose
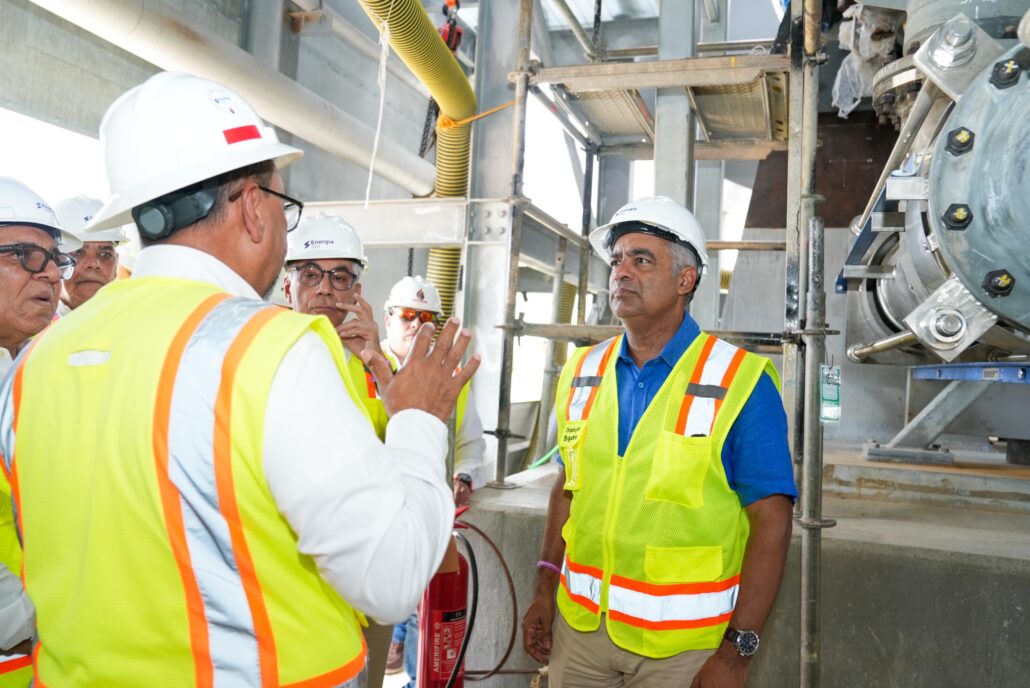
(474, 572)
(482, 675)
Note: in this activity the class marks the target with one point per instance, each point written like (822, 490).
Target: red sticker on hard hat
(237, 134)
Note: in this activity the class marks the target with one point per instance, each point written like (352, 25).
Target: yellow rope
(445, 122)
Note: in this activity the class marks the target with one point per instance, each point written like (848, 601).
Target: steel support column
(485, 295)
(674, 123)
(705, 307)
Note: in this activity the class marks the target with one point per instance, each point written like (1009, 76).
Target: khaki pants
(592, 660)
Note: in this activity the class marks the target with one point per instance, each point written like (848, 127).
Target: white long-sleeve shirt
(375, 517)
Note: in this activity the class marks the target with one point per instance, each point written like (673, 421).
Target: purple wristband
(544, 564)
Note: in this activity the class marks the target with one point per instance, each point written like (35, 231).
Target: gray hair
(684, 257)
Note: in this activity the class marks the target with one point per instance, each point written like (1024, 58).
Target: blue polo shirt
(755, 456)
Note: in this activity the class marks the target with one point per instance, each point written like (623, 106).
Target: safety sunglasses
(409, 314)
(34, 259)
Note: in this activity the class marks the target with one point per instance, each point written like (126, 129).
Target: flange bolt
(960, 141)
(999, 283)
(1005, 74)
(957, 216)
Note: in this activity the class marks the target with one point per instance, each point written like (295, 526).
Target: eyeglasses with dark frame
(310, 275)
(34, 259)
(292, 208)
(409, 314)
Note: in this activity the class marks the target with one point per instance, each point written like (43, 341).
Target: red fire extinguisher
(444, 621)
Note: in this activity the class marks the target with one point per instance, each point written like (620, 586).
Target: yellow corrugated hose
(417, 42)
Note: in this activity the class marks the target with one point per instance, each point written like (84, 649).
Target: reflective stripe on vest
(227, 615)
(588, 379)
(649, 605)
(712, 376)
(15, 671)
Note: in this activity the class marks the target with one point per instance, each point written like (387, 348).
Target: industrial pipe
(160, 35)
(355, 38)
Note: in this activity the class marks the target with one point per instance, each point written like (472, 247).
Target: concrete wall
(912, 596)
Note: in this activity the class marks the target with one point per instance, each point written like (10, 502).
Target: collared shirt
(755, 455)
(375, 517)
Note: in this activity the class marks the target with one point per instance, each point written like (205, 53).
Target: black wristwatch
(465, 478)
(745, 642)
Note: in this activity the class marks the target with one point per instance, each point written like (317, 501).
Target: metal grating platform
(737, 99)
(615, 113)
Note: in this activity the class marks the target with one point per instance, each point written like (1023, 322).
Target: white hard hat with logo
(75, 213)
(660, 216)
(414, 292)
(20, 205)
(173, 131)
(325, 236)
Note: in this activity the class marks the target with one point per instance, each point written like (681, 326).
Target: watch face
(747, 643)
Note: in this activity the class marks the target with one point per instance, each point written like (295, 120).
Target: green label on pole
(829, 394)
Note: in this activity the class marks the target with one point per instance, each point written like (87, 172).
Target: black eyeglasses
(341, 279)
(34, 258)
(292, 208)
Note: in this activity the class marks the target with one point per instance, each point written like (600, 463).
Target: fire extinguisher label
(447, 633)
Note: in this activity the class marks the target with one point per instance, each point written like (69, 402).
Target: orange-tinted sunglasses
(409, 314)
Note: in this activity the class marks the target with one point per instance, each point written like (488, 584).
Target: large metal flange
(979, 198)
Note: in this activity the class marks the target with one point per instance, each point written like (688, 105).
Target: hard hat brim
(118, 210)
(66, 241)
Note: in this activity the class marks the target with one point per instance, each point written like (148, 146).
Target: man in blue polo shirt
(669, 525)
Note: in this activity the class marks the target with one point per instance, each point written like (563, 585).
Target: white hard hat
(75, 212)
(20, 205)
(671, 220)
(325, 236)
(414, 292)
(173, 131)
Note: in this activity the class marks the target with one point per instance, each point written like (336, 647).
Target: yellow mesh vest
(15, 670)
(367, 397)
(154, 551)
(655, 539)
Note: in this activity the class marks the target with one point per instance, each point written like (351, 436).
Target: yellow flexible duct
(417, 42)
(443, 271)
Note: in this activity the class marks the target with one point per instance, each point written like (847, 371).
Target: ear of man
(253, 212)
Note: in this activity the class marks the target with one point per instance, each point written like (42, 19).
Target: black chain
(429, 129)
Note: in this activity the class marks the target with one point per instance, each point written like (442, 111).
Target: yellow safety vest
(655, 538)
(153, 549)
(367, 394)
(15, 669)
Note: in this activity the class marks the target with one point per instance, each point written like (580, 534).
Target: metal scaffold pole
(518, 162)
(811, 501)
(814, 339)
